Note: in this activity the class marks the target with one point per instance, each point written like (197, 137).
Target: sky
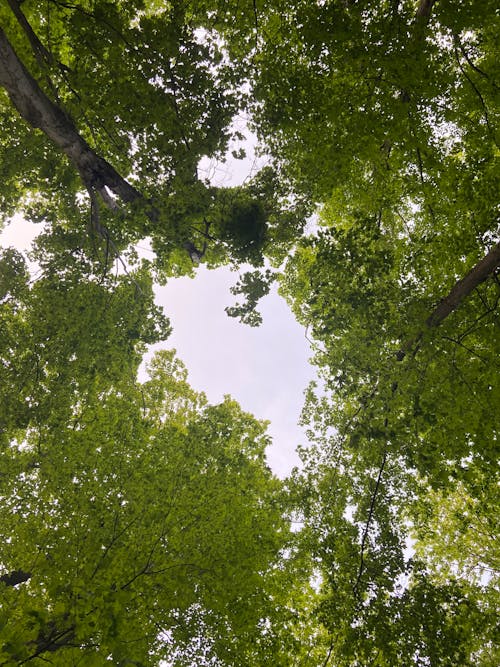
(265, 369)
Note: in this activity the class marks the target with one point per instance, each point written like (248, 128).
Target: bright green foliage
(456, 531)
(151, 89)
(353, 288)
(367, 100)
(253, 285)
(140, 85)
(140, 523)
(391, 122)
(67, 334)
(148, 524)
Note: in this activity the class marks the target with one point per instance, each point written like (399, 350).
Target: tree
(138, 522)
(384, 114)
(128, 97)
(400, 292)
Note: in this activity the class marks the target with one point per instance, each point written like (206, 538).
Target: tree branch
(477, 275)
(38, 48)
(479, 96)
(460, 291)
(51, 642)
(367, 525)
(40, 112)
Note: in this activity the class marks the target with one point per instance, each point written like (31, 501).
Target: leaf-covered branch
(460, 291)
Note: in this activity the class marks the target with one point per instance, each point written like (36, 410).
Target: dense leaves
(405, 327)
(145, 512)
(141, 524)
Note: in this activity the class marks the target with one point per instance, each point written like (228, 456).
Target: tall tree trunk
(40, 112)
(424, 9)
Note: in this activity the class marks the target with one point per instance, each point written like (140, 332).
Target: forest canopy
(140, 524)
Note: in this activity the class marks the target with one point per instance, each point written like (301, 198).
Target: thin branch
(479, 96)
(476, 69)
(256, 22)
(52, 643)
(328, 655)
(367, 525)
(114, 538)
(42, 54)
(468, 349)
(104, 231)
(97, 19)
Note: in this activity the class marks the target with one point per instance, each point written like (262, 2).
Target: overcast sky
(265, 369)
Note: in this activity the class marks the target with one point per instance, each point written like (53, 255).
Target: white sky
(265, 369)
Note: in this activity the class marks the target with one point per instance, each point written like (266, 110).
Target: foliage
(144, 519)
(140, 523)
(405, 415)
(151, 92)
(253, 285)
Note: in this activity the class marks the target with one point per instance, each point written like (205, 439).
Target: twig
(480, 97)
(367, 525)
(104, 232)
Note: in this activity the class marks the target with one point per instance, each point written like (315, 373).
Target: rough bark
(40, 112)
(424, 9)
(460, 290)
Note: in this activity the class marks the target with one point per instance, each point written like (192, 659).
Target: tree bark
(422, 18)
(424, 9)
(460, 290)
(40, 112)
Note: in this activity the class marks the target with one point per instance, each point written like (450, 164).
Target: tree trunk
(424, 9)
(462, 289)
(40, 112)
